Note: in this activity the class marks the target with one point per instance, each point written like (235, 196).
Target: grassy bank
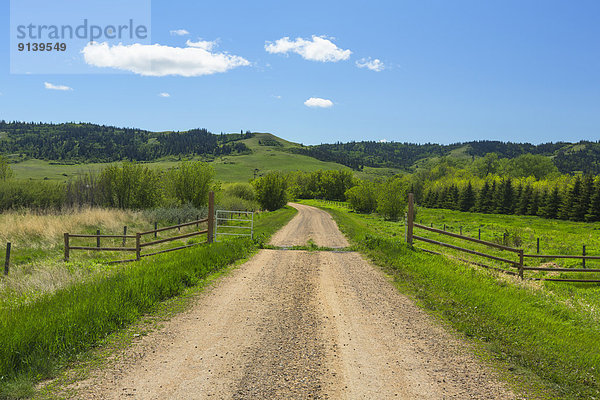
(547, 334)
(38, 337)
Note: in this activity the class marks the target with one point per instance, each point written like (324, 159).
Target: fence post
(197, 219)
(521, 264)
(179, 223)
(584, 255)
(7, 259)
(138, 248)
(124, 234)
(66, 247)
(461, 230)
(479, 234)
(98, 238)
(410, 219)
(211, 216)
(444, 227)
(155, 228)
(538, 245)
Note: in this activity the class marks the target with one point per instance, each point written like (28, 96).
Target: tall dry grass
(37, 242)
(32, 229)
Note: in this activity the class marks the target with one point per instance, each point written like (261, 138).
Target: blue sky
(447, 71)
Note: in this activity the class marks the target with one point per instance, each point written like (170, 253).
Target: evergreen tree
(517, 197)
(525, 200)
(542, 200)
(571, 200)
(582, 206)
(553, 204)
(486, 198)
(451, 198)
(482, 197)
(466, 200)
(505, 198)
(534, 205)
(593, 213)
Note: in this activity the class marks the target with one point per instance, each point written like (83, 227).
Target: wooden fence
(140, 244)
(518, 263)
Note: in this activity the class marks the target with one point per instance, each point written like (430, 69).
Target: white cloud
(383, 141)
(374, 65)
(164, 94)
(318, 102)
(201, 44)
(159, 60)
(180, 32)
(318, 49)
(278, 97)
(56, 87)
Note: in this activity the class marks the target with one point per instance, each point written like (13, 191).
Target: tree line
(583, 156)
(577, 199)
(99, 143)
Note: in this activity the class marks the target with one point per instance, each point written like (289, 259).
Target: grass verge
(38, 338)
(549, 345)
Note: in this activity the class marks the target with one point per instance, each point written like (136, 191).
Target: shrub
(130, 185)
(242, 190)
(173, 215)
(363, 198)
(24, 194)
(190, 182)
(392, 198)
(271, 191)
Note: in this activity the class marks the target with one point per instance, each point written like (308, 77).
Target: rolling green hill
(59, 151)
(267, 153)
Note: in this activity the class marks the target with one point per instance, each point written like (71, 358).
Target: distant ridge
(85, 142)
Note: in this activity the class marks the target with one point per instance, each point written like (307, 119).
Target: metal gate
(234, 223)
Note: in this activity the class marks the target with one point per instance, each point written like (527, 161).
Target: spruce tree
(451, 198)
(467, 198)
(583, 204)
(517, 198)
(534, 204)
(553, 204)
(571, 200)
(593, 213)
(491, 205)
(482, 197)
(505, 201)
(524, 200)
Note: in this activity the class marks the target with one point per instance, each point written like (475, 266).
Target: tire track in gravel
(299, 325)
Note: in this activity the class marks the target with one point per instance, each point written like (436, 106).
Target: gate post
(211, 217)
(66, 247)
(410, 219)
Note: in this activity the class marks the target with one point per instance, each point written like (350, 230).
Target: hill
(583, 156)
(57, 151)
(99, 143)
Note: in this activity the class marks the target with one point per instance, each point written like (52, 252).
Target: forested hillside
(100, 143)
(568, 157)
(88, 143)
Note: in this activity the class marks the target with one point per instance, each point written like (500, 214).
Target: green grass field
(544, 336)
(239, 168)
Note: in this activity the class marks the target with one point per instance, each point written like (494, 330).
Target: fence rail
(139, 245)
(520, 264)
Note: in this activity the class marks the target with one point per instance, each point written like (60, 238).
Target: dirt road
(300, 325)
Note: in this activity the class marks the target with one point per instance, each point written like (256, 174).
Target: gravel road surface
(293, 324)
